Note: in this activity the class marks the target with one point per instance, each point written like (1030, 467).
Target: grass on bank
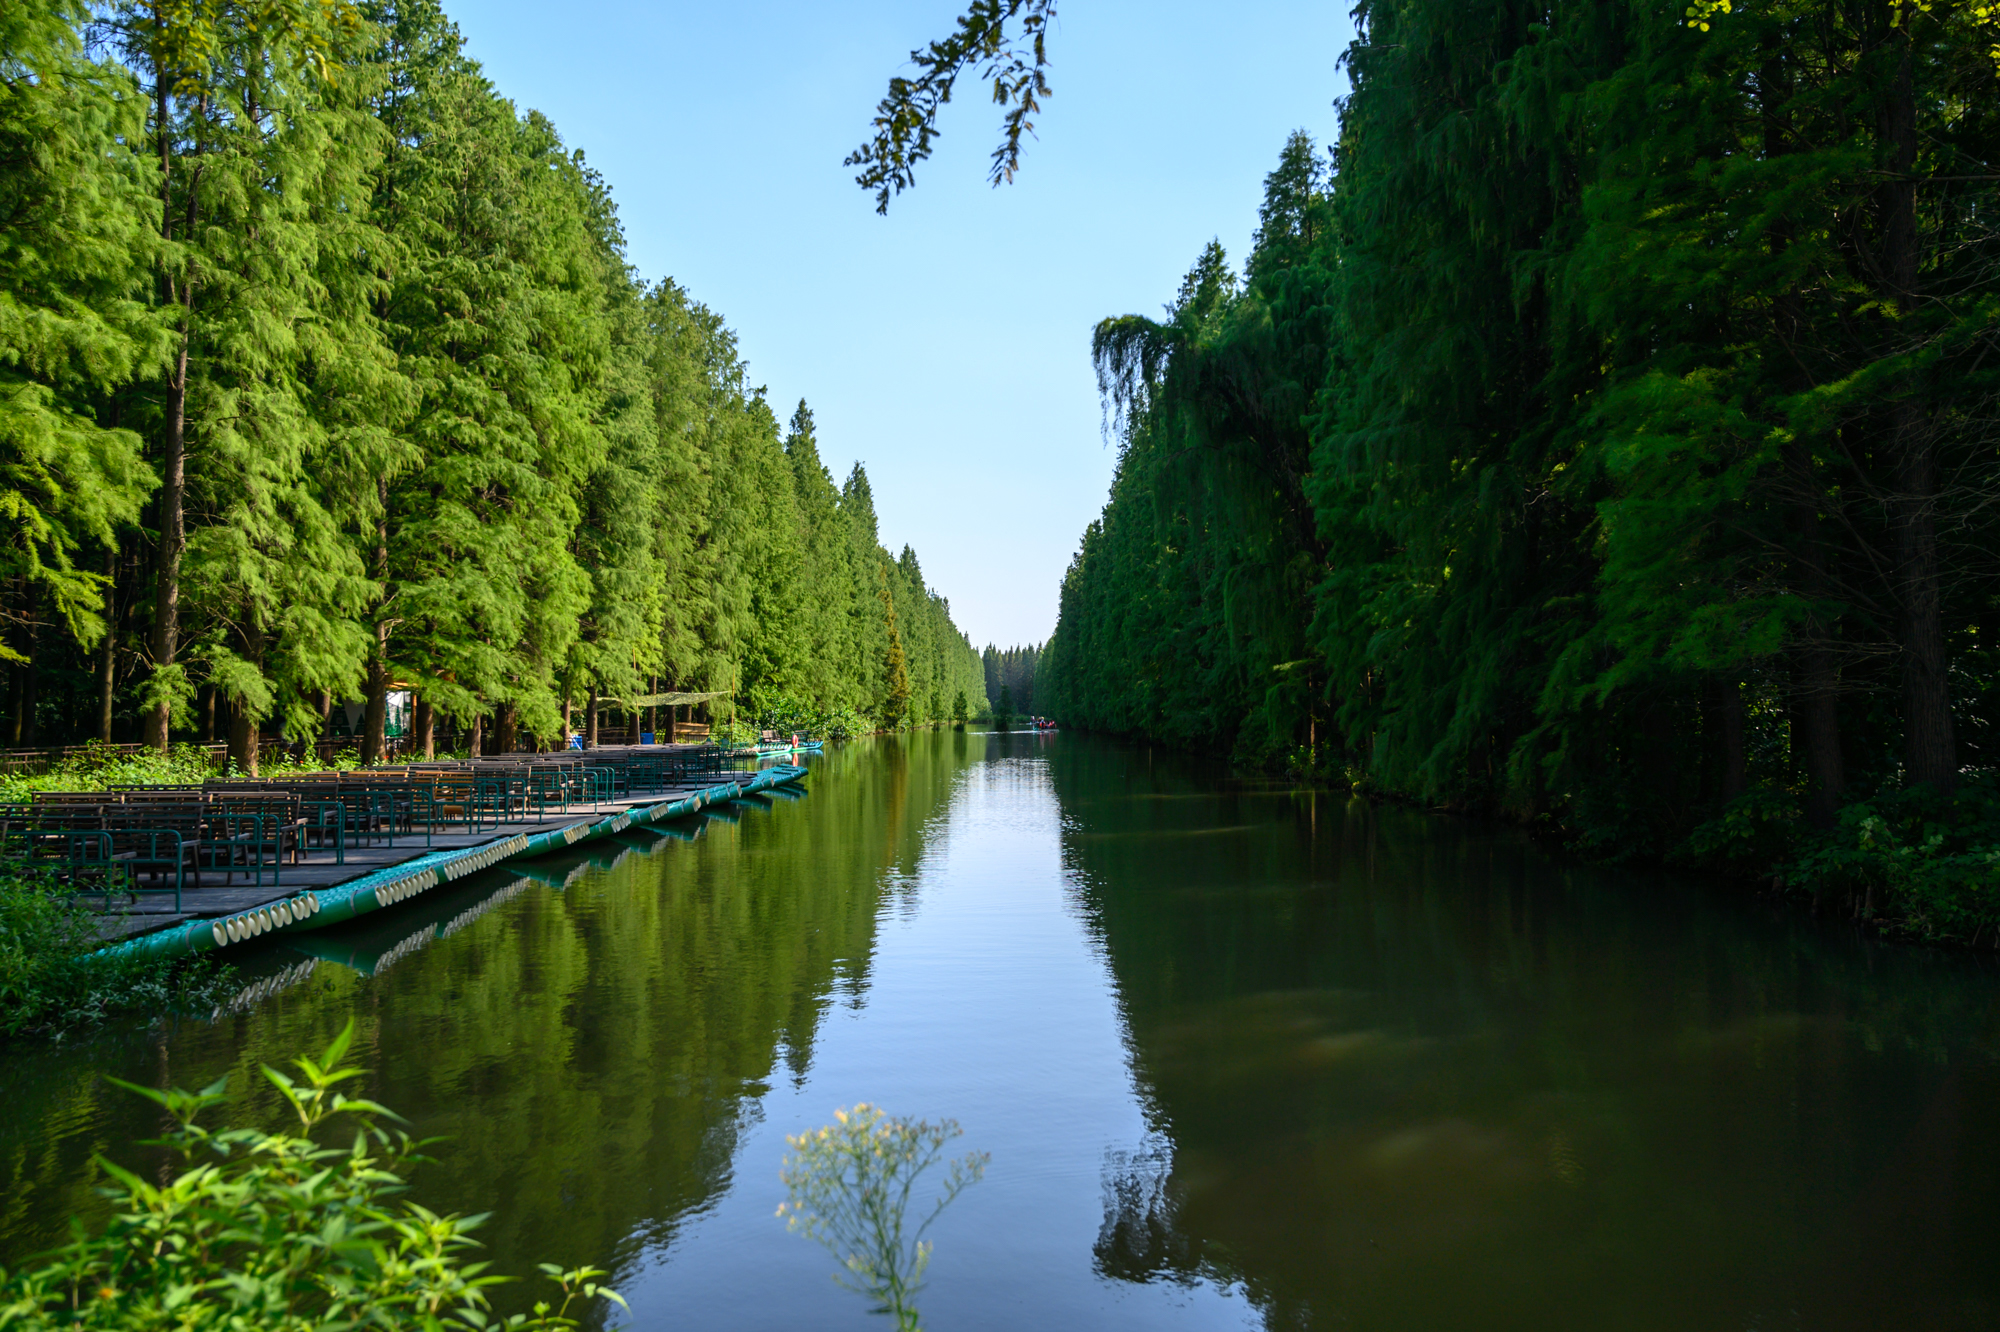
(53, 982)
(281, 1232)
(98, 768)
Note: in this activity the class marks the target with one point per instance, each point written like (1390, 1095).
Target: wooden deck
(154, 911)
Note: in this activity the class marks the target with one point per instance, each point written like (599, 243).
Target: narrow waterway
(1243, 1056)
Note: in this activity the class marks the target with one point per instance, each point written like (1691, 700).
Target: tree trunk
(207, 706)
(375, 717)
(243, 728)
(31, 678)
(506, 736)
(422, 723)
(375, 739)
(173, 540)
(107, 650)
(1816, 721)
(590, 719)
(1929, 747)
(167, 568)
(173, 531)
(1735, 757)
(243, 734)
(1929, 750)
(477, 738)
(1815, 718)
(173, 454)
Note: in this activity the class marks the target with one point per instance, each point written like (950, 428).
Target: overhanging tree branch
(1006, 41)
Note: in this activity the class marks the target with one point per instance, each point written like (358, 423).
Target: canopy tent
(665, 700)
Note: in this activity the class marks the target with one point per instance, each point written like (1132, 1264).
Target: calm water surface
(1244, 1056)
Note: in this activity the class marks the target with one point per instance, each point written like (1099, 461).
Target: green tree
(76, 248)
(323, 371)
(895, 669)
(1605, 465)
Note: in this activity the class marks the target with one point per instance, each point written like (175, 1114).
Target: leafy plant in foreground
(850, 1185)
(275, 1231)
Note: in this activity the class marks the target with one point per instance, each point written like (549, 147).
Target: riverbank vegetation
(1602, 433)
(323, 372)
(52, 981)
(95, 767)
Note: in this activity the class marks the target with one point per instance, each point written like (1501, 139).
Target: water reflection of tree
(593, 1055)
(1138, 1240)
(1407, 1069)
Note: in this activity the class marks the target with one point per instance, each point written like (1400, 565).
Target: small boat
(790, 747)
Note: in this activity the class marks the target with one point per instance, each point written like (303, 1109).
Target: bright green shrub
(1929, 864)
(276, 1232)
(1907, 858)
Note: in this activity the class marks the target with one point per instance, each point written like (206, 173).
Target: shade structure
(666, 700)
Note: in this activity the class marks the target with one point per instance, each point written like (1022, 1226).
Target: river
(1243, 1055)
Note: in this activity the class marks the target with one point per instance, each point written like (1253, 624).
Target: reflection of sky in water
(987, 1002)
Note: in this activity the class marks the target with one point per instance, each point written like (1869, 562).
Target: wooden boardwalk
(318, 870)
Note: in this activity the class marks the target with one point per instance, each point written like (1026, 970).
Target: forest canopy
(1605, 429)
(323, 374)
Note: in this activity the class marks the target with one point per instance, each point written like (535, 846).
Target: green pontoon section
(395, 883)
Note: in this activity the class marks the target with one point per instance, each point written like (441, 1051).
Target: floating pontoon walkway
(321, 892)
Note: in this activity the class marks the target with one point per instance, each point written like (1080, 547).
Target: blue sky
(946, 346)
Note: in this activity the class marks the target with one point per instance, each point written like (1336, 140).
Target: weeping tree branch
(1130, 353)
(1005, 40)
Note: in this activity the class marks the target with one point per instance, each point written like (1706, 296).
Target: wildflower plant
(851, 1185)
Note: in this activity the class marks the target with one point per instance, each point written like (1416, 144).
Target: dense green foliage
(322, 373)
(1606, 434)
(277, 1230)
(1012, 669)
(52, 981)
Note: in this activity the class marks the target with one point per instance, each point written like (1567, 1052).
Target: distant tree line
(1012, 669)
(323, 372)
(1607, 431)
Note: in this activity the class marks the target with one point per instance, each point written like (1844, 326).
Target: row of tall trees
(1012, 669)
(322, 373)
(1607, 430)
